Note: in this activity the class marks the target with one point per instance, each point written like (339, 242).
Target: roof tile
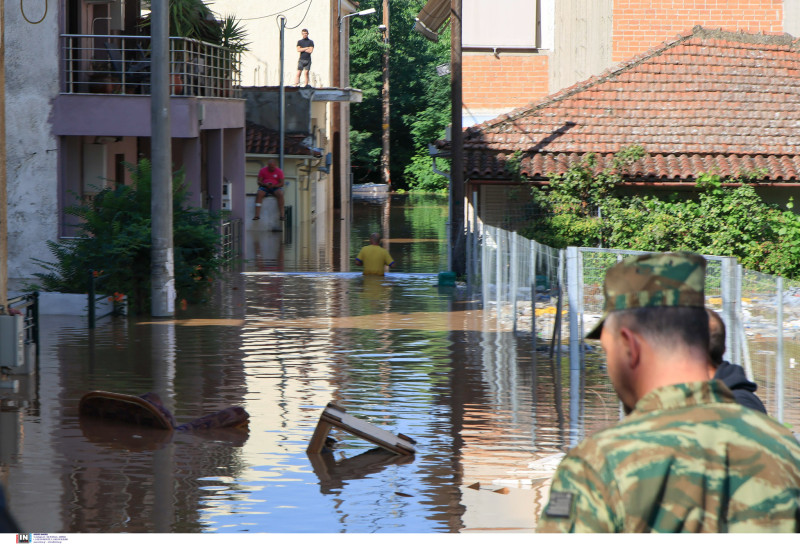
(710, 99)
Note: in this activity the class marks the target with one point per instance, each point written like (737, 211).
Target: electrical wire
(301, 20)
(22, 10)
(277, 12)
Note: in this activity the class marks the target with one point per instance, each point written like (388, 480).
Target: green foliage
(115, 240)
(421, 176)
(194, 19)
(419, 98)
(581, 207)
(513, 165)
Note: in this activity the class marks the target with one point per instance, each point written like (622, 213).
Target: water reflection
(282, 341)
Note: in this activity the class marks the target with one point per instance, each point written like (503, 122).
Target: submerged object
(148, 411)
(335, 416)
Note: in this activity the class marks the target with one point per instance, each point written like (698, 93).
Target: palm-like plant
(194, 19)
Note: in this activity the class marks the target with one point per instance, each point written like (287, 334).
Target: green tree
(420, 99)
(115, 239)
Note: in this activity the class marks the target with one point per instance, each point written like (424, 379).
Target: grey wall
(583, 41)
(263, 107)
(32, 149)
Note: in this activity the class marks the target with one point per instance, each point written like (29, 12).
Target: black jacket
(7, 523)
(743, 389)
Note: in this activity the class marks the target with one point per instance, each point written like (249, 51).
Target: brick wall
(642, 24)
(510, 81)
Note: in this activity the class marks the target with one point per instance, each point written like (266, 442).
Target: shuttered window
(507, 24)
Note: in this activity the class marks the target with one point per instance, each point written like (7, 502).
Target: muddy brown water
(282, 340)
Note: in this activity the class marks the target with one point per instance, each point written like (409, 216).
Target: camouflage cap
(657, 279)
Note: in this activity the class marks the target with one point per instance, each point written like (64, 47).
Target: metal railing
(112, 64)
(532, 287)
(28, 304)
(231, 232)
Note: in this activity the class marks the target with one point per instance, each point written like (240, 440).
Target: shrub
(581, 207)
(115, 239)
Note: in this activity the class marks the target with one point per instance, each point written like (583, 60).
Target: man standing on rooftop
(305, 47)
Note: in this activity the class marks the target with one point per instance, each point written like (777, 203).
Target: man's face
(305, 34)
(617, 359)
(271, 166)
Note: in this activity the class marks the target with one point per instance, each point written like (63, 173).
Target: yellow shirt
(373, 258)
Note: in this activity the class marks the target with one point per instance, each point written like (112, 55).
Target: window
(507, 24)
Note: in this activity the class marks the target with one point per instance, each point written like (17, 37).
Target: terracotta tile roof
(707, 101)
(261, 140)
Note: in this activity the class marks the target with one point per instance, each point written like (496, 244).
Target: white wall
(261, 64)
(32, 157)
(791, 17)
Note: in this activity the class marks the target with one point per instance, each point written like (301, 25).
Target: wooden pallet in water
(336, 416)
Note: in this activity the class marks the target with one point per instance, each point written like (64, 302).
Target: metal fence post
(486, 256)
(91, 299)
(532, 281)
(36, 320)
(729, 314)
(779, 354)
(470, 238)
(498, 280)
(514, 279)
(574, 295)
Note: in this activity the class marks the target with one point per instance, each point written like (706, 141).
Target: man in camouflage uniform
(687, 457)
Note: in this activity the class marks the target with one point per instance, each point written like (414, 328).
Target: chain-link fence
(547, 292)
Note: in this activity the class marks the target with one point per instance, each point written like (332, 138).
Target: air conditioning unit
(227, 188)
(12, 341)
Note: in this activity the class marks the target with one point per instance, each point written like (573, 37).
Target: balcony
(112, 64)
(105, 87)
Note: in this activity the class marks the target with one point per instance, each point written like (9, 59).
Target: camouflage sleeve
(580, 501)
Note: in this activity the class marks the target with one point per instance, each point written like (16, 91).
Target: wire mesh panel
(771, 337)
(791, 354)
(524, 289)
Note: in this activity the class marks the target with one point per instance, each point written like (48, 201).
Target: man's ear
(632, 346)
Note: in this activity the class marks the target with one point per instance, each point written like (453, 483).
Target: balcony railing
(109, 64)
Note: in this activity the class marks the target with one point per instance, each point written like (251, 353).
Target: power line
(304, 17)
(279, 12)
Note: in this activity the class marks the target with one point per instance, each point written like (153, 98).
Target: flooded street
(282, 337)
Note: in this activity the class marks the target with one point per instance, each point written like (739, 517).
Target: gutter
(669, 184)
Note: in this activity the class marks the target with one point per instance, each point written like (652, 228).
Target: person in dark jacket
(733, 376)
(7, 523)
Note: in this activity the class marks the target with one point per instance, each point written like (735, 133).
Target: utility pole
(385, 175)
(162, 273)
(3, 179)
(457, 242)
(282, 99)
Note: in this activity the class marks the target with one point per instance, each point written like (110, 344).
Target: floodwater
(282, 337)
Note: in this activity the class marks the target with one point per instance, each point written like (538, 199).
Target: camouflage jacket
(687, 459)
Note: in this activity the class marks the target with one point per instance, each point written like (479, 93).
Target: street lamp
(363, 12)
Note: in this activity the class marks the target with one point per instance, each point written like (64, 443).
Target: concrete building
(318, 194)
(78, 109)
(519, 95)
(518, 51)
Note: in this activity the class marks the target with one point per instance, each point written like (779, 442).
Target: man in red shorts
(270, 182)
